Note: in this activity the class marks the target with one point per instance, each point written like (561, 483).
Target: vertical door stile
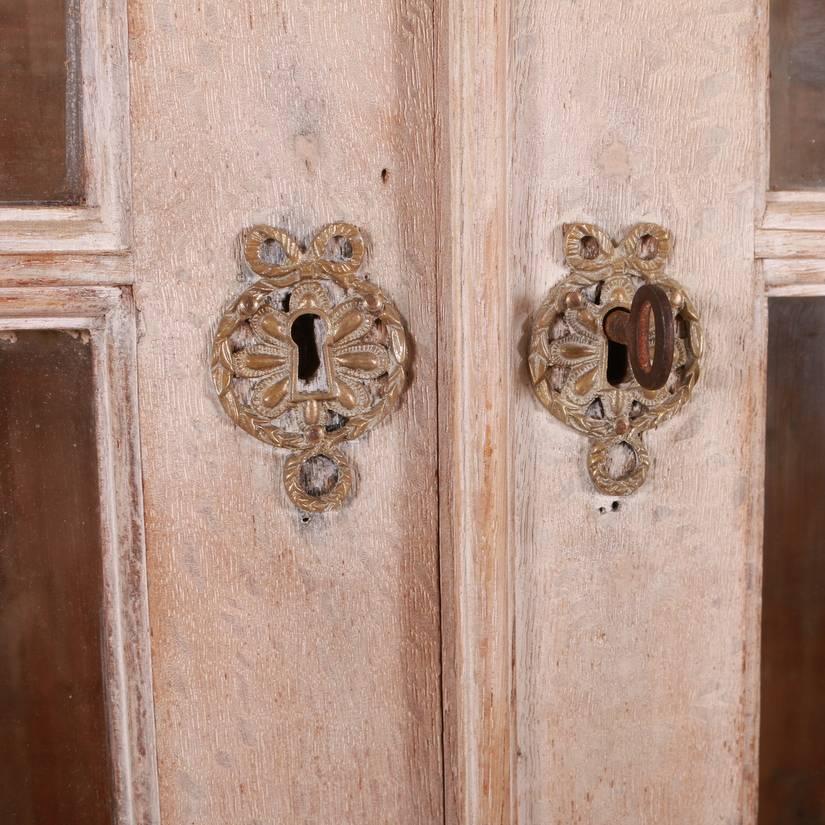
(475, 382)
(637, 642)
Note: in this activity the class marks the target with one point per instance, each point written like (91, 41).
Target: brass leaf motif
(360, 360)
(348, 324)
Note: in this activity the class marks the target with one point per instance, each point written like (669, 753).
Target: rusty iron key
(632, 328)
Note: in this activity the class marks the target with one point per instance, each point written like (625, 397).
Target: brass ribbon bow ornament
(573, 330)
(309, 356)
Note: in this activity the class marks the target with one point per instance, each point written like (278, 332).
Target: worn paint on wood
(296, 660)
(637, 623)
(475, 380)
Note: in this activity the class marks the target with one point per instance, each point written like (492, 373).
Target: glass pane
(54, 762)
(797, 94)
(792, 746)
(40, 142)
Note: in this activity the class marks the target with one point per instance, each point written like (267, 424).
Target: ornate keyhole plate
(583, 377)
(309, 356)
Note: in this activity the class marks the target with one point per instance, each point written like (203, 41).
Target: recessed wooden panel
(55, 764)
(792, 746)
(797, 94)
(39, 102)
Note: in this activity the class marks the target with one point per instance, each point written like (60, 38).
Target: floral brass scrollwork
(309, 356)
(580, 371)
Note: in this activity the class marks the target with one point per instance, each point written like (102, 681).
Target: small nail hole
(385, 175)
(306, 519)
(614, 506)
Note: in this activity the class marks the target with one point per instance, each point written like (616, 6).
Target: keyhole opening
(309, 357)
(618, 363)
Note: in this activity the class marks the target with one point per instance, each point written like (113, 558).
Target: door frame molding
(106, 314)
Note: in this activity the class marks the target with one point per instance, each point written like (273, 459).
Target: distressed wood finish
(296, 659)
(794, 276)
(637, 622)
(55, 269)
(101, 223)
(794, 210)
(108, 316)
(773, 243)
(475, 379)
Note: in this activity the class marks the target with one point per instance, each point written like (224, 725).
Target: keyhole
(303, 334)
(617, 363)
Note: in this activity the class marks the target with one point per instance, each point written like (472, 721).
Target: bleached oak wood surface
(637, 625)
(600, 665)
(296, 662)
(475, 384)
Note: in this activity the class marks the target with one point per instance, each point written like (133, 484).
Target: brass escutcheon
(615, 347)
(310, 355)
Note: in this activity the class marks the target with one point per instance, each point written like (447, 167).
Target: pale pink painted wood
(637, 626)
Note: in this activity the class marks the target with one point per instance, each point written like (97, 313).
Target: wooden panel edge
(474, 414)
(794, 211)
(803, 276)
(780, 243)
(65, 270)
(128, 647)
(103, 224)
(109, 315)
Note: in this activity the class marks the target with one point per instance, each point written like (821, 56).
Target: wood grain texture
(778, 243)
(296, 661)
(790, 276)
(55, 269)
(475, 379)
(637, 625)
(794, 210)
